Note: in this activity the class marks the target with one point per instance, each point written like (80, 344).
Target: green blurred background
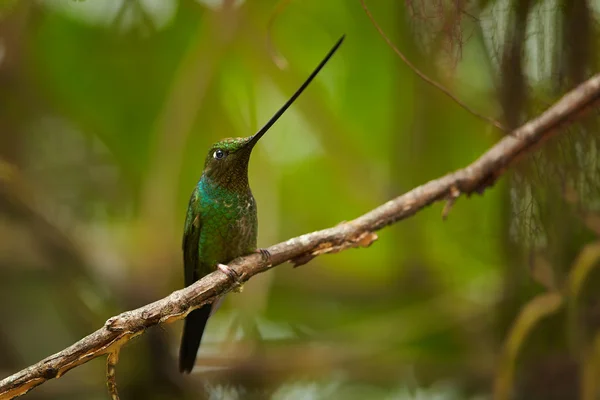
(107, 109)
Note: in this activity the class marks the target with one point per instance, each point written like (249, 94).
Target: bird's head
(227, 160)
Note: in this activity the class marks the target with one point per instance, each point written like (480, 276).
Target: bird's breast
(229, 227)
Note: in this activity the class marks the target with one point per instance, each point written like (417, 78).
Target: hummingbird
(221, 221)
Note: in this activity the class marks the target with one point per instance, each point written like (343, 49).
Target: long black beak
(279, 113)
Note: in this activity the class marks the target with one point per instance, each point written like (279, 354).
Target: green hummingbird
(221, 221)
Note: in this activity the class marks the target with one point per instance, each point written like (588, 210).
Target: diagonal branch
(475, 178)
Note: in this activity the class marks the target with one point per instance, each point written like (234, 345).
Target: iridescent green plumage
(222, 211)
(221, 222)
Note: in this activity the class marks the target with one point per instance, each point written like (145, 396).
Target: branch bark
(474, 178)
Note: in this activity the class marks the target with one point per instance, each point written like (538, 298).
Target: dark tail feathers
(193, 329)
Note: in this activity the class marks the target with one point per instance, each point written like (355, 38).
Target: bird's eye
(218, 154)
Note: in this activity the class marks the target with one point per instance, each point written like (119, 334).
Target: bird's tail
(193, 328)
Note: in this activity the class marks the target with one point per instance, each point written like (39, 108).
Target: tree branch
(424, 77)
(477, 176)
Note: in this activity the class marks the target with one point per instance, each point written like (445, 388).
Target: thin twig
(111, 369)
(454, 195)
(474, 178)
(425, 77)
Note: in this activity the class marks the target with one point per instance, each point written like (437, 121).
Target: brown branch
(482, 173)
(427, 79)
(111, 369)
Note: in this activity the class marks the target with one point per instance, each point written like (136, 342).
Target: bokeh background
(107, 109)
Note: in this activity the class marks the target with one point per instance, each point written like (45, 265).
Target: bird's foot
(231, 274)
(265, 255)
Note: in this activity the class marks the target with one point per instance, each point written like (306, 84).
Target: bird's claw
(264, 255)
(231, 274)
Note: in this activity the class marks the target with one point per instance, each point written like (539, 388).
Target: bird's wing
(191, 236)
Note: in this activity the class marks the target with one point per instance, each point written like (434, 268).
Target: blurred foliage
(107, 110)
